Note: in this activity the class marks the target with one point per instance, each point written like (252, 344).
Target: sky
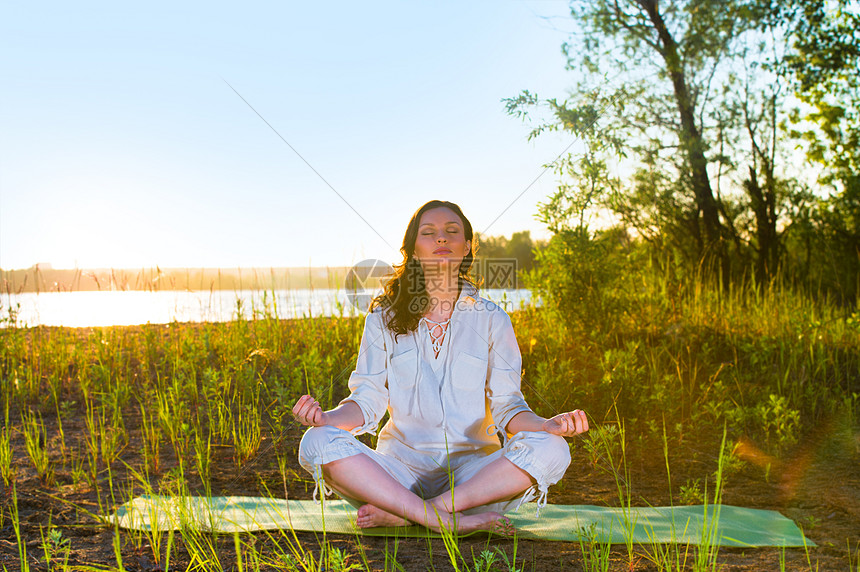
(142, 134)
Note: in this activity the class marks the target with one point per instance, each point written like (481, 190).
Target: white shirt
(442, 406)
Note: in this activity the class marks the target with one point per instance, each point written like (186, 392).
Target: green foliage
(693, 100)
(579, 278)
(603, 443)
(640, 299)
(55, 549)
(691, 493)
(35, 439)
(518, 250)
(824, 65)
(770, 362)
(773, 419)
(854, 559)
(649, 344)
(7, 472)
(594, 548)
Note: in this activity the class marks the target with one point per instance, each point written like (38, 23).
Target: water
(128, 308)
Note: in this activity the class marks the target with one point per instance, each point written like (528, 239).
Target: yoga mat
(735, 526)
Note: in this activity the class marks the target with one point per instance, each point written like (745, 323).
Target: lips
(442, 251)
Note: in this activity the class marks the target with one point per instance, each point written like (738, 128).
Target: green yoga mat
(735, 526)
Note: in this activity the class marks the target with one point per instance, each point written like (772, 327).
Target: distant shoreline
(43, 278)
(134, 307)
(37, 279)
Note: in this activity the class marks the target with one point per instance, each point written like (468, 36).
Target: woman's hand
(308, 411)
(567, 424)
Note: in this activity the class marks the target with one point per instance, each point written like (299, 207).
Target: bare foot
(491, 522)
(370, 516)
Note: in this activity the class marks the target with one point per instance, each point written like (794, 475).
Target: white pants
(542, 455)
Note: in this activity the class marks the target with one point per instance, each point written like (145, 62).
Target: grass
(769, 367)
(853, 556)
(14, 515)
(35, 439)
(7, 472)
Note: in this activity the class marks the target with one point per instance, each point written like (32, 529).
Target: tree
(694, 94)
(576, 274)
(501, 261)
(824, 65)
(680, 44)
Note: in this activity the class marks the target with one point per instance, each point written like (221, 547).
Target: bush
(579, 278)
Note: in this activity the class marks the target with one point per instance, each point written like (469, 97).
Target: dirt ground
(818, 486)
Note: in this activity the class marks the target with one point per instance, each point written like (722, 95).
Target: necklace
(436, 339)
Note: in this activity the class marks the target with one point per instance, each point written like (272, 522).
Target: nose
(441, 237)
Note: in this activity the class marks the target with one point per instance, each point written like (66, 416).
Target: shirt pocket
(404, 367)
(468, 389)
(469, 373)
(401, 380)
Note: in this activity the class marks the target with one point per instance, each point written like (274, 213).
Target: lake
(128, 308)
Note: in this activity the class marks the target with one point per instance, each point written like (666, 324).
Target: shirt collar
(468, 295)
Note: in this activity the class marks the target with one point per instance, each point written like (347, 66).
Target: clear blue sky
(121, 145)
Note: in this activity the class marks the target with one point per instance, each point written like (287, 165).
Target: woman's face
(441, 244)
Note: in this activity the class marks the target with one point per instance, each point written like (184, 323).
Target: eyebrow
(449, 222)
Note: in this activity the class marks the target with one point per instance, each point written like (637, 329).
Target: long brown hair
(405, 294)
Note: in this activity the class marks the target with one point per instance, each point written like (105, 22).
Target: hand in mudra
(567, 424)
(308, 411)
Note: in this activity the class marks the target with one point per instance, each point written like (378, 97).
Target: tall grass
(770, 362)
(853, 559)
(35, 439)
(16, 527)
(7, 472)
(770, 365)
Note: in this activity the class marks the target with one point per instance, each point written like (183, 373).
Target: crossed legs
(382, 487)
(389, 503)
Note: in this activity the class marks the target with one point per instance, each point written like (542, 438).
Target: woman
(444, 363)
